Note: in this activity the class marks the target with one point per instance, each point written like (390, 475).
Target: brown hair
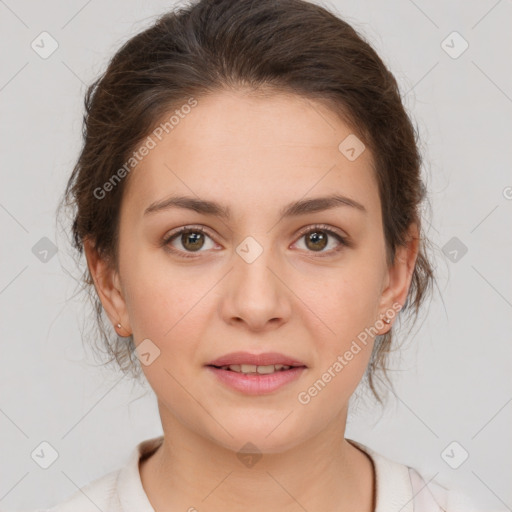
(278, 45)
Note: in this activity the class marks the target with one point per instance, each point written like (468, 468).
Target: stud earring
(387, 320)
(119, 326)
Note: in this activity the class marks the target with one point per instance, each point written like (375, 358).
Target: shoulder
(430, 495)
(118, 491)
(401, 488)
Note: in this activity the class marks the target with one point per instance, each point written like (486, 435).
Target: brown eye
(192, 240)
(188, 240)
(316, 240)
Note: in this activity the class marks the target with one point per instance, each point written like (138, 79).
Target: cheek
(344, 341)
(159, 301)
(357, 301)
(340, 302)
(161, 309)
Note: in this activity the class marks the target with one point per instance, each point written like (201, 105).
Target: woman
(248, 202)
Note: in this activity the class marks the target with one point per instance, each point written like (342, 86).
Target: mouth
(256, 374)
(246, 362)
(252, 369)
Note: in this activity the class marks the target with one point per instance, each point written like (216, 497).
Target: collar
(132, 496)
(393, 489)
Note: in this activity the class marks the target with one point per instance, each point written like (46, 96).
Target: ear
(398, 278)
(108, 287)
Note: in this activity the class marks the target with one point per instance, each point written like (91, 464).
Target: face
(306, 283)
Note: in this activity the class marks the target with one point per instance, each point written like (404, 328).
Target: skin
(254, 154)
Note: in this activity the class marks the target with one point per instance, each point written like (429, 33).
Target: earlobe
(108, 287)
(399, 276)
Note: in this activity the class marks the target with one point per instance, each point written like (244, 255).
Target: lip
(256, 384)
(263, 359)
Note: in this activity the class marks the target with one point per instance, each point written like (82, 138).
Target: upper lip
(264, 359)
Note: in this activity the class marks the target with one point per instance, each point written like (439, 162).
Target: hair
(288, 46)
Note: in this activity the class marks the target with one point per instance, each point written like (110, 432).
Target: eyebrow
(294, 209)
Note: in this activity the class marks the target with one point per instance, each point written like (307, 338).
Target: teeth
(266, 369)
(252, 368)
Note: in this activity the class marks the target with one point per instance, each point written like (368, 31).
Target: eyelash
(344, 242)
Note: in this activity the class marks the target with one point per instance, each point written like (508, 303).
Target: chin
(259, 437)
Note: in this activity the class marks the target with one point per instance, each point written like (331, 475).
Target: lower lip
(257, 384)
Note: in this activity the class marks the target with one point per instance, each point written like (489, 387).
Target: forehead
(252, 150)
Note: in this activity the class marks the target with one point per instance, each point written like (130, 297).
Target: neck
(190, 472)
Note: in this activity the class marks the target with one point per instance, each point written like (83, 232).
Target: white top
(399, 488)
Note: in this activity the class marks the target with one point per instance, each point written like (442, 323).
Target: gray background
(453, 375)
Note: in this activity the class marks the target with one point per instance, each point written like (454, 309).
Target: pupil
(317, 237)
(195, 238)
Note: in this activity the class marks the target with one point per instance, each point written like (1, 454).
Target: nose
(255, 291)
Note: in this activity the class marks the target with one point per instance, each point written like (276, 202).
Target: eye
(317, 238)
(191, 238)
